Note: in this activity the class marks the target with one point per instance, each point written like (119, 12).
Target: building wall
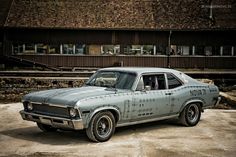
(97, 61)
(74, 48)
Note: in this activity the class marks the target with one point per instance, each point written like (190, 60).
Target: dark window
(17, 48)
(80, 49)
(227, 50)
(199, 50)
(68, 48)
(208, 50)
(183, 50)
(154, 81)
(173, 82)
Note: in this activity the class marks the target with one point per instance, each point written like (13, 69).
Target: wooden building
(101, 33)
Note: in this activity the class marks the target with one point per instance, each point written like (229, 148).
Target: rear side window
(173, 82)
(154, 81)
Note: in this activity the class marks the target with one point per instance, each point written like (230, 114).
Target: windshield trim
(88, 83)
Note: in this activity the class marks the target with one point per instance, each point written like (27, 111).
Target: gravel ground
(215, 135)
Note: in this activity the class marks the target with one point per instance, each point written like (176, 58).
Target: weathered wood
(208, 81)
(228, 98)
(128, 60)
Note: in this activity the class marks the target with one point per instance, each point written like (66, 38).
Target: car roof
(141, 70)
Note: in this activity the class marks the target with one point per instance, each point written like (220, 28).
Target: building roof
(123, 14)
(5, 6)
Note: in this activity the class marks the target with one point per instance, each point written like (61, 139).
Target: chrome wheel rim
(193, 113)
(104, 126)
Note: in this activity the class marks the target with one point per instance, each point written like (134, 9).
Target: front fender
(196, 100)
(104, 108)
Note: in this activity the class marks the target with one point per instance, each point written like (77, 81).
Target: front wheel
(191, 114)
(101, 127)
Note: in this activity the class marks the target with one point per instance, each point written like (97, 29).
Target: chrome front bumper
(57, 122)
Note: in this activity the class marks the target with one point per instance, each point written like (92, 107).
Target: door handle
(169, 93)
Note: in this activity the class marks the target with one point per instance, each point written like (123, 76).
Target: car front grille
(51, 110)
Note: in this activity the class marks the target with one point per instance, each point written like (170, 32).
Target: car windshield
(112, 79)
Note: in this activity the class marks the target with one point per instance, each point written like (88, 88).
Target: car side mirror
(147, 88)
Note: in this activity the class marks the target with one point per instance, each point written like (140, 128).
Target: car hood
(67, 96)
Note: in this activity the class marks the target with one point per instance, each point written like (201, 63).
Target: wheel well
(115, 114)
(197, 102)
(200, 103)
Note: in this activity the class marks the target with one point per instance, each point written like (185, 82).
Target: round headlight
(73, 112)
(30, 106)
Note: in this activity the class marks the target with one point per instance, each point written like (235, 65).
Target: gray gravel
(215, 135)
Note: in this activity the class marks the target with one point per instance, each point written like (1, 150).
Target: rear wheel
(191, 114)
(101, 127)
(46, 128)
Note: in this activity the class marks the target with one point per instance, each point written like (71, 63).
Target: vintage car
(115, 97)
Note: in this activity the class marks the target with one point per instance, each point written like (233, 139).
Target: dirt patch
(13, 89)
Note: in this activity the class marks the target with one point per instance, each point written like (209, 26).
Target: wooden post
(102, 51)
(61, 50)
(23, 48)
(232, 51)
(154, 50)
(74, 49)
(193, 51)
(142, 50)
(35, 48)
(221, 50)
(169, 49)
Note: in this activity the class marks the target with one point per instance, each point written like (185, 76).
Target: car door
(177, 94)
(151, 98)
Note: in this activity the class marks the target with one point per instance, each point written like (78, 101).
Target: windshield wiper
(112, 89)
(89, 84)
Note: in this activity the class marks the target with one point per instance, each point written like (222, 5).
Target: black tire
(101, 127)
(191, 115)
(46, 128)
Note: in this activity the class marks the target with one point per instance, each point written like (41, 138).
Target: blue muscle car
(115, 97)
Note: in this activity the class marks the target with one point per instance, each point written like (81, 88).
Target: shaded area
(52, 138)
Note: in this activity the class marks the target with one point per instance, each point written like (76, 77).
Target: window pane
(139, 49)
(208, 51)
(173, 82)
(67, 48)
(80, 49)
(160, 50)
(156, 82)
(54, 49)
(110, 49)
(42, 48)
(199, 50)
(215, 50)
(227, 50)
(113, 79)
(148, 50)
(132, 50)
(17, 48)
(183, 50)
(29, 48)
